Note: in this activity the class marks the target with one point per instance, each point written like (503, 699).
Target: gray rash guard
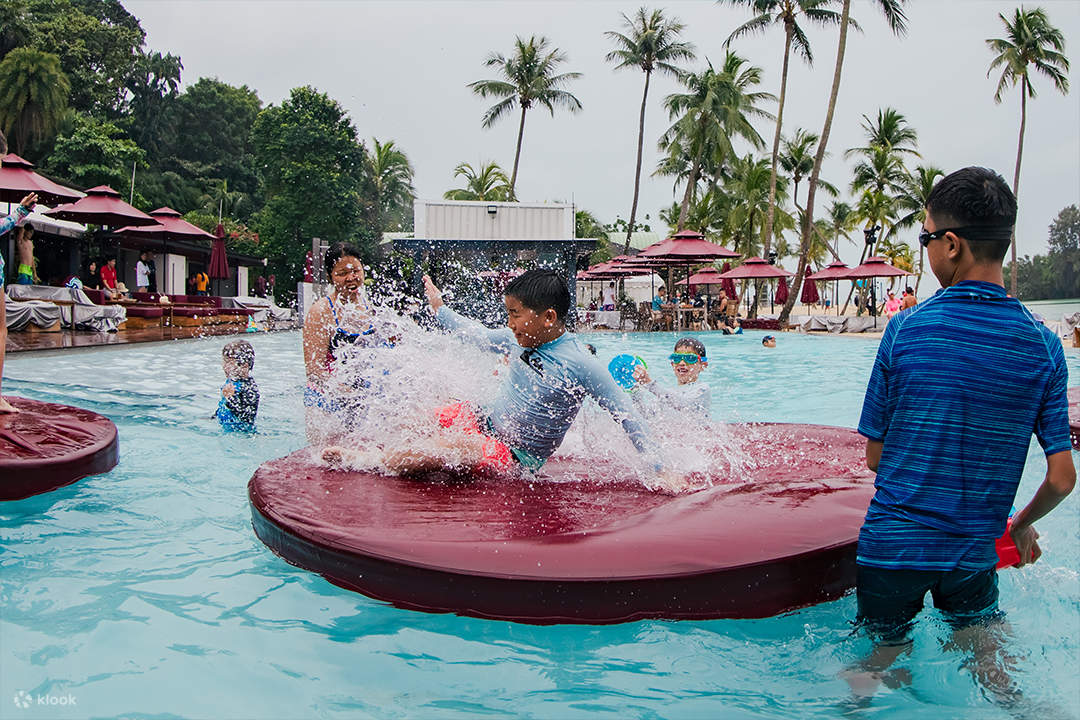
(545, 389)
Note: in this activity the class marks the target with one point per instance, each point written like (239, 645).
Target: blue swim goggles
(688, 358)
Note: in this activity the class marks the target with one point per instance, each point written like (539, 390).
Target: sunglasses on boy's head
(688, 358)
(968, 232)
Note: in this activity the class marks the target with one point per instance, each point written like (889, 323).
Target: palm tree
(786, 13)
(715, 111)
(529, 79)
(392, 176)
(842, 220)
(894, 15)
(798, 162)
(651, 44)
(33, 96)
(488, 184)
(1031, 41)
(912, 199)
(890, 131)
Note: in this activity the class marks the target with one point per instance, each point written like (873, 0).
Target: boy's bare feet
(6, 407)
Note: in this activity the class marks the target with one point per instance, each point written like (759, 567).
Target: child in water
(239, 402)
(549, 376)
(687, 362)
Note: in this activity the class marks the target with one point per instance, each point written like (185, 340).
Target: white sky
(400, 69)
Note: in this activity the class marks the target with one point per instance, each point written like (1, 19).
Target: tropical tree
(1030, 42)
(842, 220)
(894, 15)
(797, 160)
(915, 192)
(392, 177)
(33, 96)
(154, 85)
(94, 152)
(489, 183)
(716, 110)
(651, 43)
(528, 79)
(787, 14)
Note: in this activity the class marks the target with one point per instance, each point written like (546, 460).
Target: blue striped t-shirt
(960, 383)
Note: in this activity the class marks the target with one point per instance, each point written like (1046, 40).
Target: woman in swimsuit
(334, 325)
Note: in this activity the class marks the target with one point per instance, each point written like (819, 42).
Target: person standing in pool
(6, 224)
(688, 395)
(960, 384)
(334, 325)
(239, 403)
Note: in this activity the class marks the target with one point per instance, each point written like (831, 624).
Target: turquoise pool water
(144, 592)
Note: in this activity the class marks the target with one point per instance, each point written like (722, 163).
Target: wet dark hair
(591, 348)
(976, 197)
(338, 251)
(690, 342)
(540, 290)
(241, 351)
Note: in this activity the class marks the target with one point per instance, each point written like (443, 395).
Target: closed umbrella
(219, 263)
(18, 179)
(727, 284)
(781, 292)
(809, 294)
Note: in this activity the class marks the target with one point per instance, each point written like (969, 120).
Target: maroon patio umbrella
(18, 179)
(101, 206)
(219, 263)
(835, 270)
(170, 226)
(685, 246)
(874, 267)
(727, 284)
(781, 292)
(754, 268)
(809, 293)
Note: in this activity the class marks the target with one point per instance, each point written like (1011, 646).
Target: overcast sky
(400, 69)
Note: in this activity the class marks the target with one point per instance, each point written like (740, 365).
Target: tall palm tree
(392, 176)
(33, 96)
(894, 15)
(890, 130)
(1031, 42)
(652, 44)
(489, 183)
(787, 14)
(842, 220)
(717, 108)
(912, 201)
(528, 79)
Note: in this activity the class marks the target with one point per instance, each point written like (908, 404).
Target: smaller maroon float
(583, 546)
(45, 446)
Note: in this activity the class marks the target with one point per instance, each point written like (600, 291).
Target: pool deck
(66, 339)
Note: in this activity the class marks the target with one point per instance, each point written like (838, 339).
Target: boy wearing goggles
(687, 362)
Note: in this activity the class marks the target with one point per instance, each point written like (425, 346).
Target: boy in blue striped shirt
(960, 384)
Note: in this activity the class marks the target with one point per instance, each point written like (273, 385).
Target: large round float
(45, 446)
(581, 546)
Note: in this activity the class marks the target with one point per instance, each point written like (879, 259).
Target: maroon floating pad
(1074, 416)
(45, 446)
(583, 546)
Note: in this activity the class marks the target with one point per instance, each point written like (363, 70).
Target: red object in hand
(1008, 555)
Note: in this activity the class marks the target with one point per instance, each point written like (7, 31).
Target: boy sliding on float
(550, 375)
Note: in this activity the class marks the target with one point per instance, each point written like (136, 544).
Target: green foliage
(1031, 42)
(239, 238)
(95, 152)
(33, 96)
(98, 43)
(392, 180)
(489, 183)
(153, 85)
(314, 178)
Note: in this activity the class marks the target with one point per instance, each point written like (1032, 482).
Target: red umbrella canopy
(810, 293)
(219, 263)
(102, 206)
(169, 225)
(835, 270)
(874, 267)
(755, 267)
(685, 246)
(708, 276)
(781, 291)
(18, 179)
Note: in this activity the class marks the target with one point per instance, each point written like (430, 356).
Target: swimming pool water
(145, 593)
